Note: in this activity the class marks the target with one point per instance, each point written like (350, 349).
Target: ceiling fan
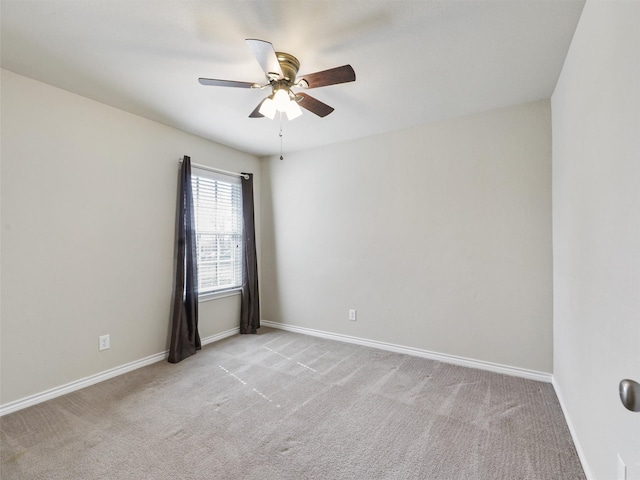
(281, 69)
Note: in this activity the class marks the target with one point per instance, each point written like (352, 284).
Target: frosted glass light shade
(268, 108)
(293, 110)
(281, 100)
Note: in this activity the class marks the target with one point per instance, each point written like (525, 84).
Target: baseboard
(441, 357)
(572, 431)
(218, 336)
(100, 377)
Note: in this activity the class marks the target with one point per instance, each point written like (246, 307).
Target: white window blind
(217, 203)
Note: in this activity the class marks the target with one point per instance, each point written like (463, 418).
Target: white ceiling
(416, 61)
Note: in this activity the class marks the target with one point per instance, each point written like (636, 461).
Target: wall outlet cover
(104, 342)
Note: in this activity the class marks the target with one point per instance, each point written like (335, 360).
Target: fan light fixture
(281, 71)
(281, 100)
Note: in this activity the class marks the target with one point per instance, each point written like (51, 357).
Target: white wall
(596, 234)
(88, 225)
(439, 236)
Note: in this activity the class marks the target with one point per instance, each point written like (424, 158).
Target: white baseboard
(441, 357)
(218, 336)
(100, 377)
(574, 435)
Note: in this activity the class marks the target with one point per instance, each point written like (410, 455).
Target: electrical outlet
(104, 342)
(352, 314)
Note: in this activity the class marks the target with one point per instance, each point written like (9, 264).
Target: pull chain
(281, 157)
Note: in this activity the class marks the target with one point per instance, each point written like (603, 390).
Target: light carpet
(282, 405)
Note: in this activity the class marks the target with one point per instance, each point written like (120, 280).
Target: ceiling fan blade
(225, 83)
(256, 111)
(314, 105)
(266, 56)
(332, 76)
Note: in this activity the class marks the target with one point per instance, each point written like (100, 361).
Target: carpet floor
(281, 405)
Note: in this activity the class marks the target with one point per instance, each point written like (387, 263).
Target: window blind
(217, 203)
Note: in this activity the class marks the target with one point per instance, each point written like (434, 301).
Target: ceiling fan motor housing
(289, 66)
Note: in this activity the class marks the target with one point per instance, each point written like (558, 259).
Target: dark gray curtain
(250, 309)
(185, 339)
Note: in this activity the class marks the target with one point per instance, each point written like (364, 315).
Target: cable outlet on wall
(352, 314)
(104, 342)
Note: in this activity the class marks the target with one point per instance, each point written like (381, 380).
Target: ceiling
(416, 61)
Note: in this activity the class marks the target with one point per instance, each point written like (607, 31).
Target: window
(217, 201)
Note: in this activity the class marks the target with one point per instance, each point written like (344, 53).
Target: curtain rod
(218, 170)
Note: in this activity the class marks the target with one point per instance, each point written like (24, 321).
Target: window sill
(206, 297)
